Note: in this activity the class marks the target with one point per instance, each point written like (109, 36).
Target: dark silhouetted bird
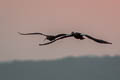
(77, 35)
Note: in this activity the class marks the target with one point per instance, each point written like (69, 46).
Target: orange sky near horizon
(99, 18)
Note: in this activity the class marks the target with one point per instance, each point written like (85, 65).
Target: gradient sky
(99, 18)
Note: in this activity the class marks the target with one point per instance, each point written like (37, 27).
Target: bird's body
(76, 35)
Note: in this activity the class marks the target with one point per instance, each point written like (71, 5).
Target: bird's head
(75, 33)
(72, 33)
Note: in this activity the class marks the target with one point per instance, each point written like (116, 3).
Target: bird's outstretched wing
(59, 35)
(36, 33)
(65, 36)
(97, 40)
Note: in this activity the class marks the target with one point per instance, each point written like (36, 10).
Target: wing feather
(98, 40)
(36, 33)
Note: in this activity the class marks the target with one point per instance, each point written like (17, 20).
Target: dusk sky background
(98, 18)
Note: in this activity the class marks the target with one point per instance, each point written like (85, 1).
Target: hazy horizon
(81, 68)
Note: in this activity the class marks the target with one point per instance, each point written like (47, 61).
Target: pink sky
(100, 19)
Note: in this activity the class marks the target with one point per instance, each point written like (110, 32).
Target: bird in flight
(76, 35)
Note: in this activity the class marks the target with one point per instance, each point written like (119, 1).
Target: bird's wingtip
(39, 44)
(18, 32)
(110, 43)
